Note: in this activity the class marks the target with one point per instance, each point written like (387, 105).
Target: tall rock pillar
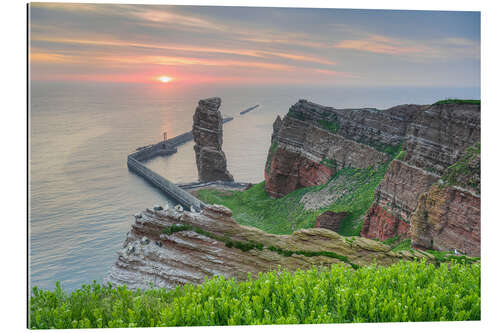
(207, 132)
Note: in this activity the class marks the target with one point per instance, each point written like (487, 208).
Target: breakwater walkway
(164, 148)
(249, 109)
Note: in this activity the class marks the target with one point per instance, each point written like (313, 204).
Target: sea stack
(207, 132)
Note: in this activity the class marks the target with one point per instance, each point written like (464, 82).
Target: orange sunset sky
(190, 44)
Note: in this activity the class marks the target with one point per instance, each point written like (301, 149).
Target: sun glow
(165, 79)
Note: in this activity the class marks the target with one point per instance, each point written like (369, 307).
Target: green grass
(401, 155)
(332, 164)
(392, 241)
(176, 228)
(330, 122)
(254, 207)
(398, 244)
(458, 101)
(332, 126)
(402, 245)
(447, 256)
(296, 115)
(391, 150)
(406, 291)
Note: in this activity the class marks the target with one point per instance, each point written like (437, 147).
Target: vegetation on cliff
(272, 151)
(466, 171)
(406, 291)
(247, 246)
(458, 101)
(330, 125)
(254, 207)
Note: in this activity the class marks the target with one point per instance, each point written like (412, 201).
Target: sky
(239, 45)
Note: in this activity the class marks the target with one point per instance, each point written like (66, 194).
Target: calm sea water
(82, 195)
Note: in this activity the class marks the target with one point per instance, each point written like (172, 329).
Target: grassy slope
(407, 291)
(458, 101)
(255, 208)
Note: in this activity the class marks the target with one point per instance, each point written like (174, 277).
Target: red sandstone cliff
(312, 142)
(304, 154)
(447, 218)
(395, 200)
(436, 212)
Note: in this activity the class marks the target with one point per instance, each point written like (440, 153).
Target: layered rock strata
(446, 149)
(313, 138)
(207, 132)
(303, 154)
(330, 220)
(447, 218)
(438, 136)
(395, 200)
(151, 256)
(433, 136)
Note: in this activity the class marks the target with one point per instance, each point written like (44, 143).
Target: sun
(165, 79)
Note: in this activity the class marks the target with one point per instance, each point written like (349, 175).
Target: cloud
(442, 49)
(70, 7)
(161, 17)
(303, 41)
(138, 14)
(199, 50)
(84, 40)
(120, 61)
(300, 57)
(42, 57)
(380, 44)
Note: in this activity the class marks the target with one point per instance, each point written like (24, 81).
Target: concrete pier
(165, 148)
(249, 109)
(169, 188)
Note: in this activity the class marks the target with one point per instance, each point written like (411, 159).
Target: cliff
(439, 147)
(395, 200)
(171, 247)
(306, 149)
(447, 218)
(207, 132)
(312, 142)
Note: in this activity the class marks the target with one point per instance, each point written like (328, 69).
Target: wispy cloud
(140, 14)
(136, 42)
(193, 49)
(380, 44)
(165, 17)
(185, 61)
(444, 48)
(43, 57)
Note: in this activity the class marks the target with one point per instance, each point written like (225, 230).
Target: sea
(82, 197)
